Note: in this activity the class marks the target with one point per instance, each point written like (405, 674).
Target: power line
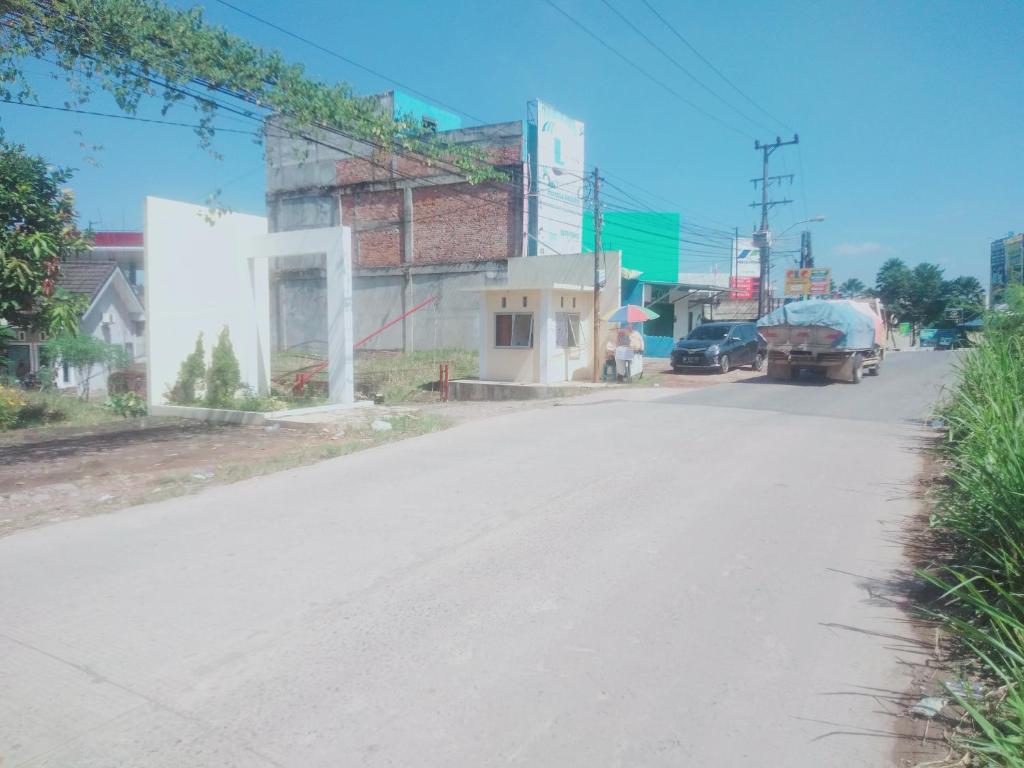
(340, 57)
(647, 74)
(115, 116)
(680, 67)
(713, 68)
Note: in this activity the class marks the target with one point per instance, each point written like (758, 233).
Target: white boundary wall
(202, 276)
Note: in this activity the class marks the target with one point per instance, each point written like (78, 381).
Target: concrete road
(634, 578)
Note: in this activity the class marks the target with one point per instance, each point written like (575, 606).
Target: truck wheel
(723, 364)
(758, 363)
(858, 369)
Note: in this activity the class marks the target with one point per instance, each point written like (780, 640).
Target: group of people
(624, 337)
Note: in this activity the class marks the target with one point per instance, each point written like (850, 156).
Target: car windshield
(709, 332)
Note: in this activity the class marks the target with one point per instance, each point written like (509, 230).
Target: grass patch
(43, 409)
(400, 377)
(980, 512)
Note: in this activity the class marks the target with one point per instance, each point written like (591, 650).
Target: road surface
(634, 578)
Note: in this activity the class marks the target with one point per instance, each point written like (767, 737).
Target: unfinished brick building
(419, 230)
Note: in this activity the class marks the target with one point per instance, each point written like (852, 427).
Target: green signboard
(904, 329)
(649, 242)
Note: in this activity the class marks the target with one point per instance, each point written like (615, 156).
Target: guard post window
(567, 329)
(513, 330)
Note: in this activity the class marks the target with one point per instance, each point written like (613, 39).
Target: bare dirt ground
(53, 474)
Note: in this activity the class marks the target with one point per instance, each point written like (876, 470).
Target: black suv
(722, 346)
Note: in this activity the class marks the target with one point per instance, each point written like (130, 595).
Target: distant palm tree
(852, 287)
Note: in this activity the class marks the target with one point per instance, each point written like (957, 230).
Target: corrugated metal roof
(117, 239)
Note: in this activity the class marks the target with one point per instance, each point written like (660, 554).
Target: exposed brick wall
(464, 222)
(377, 221)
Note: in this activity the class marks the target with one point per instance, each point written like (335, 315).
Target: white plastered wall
(199, 278)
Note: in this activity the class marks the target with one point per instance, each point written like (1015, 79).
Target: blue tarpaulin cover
(859, 328)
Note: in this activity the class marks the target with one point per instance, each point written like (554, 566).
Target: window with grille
(567, 329)
(513, 330)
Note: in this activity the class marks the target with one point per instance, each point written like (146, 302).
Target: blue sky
(909, 113)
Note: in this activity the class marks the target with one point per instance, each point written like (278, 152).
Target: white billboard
(746, 258)
(555, 149)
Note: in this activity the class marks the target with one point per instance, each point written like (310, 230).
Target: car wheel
(723, 364)
(858, 369)
(758, 363)
(677, 368)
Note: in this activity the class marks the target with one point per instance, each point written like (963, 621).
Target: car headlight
(712, 350)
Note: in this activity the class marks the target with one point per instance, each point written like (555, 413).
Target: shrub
(191, 373)
(12, 401)
(127, 404)
(83, 353)
(223, 378)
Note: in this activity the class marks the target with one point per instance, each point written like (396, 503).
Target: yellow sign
(816, 281)
(798, 282)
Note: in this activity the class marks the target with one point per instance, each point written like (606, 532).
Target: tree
(191, 373)
(927, 302)
(965, 293)
(137, 49)
(892, 285)
(37, 232)
(852, 287)
(83, 353)
(223, 378)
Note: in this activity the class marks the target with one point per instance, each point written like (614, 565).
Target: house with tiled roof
(114, 314)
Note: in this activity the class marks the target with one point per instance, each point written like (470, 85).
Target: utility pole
(598, 222)
(806, 256)
(763, 235)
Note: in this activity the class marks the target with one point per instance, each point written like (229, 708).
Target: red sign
(744, 287)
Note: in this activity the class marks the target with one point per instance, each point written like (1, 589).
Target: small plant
(223, 378)
(12, 401)
(191, 374)
(127, 405)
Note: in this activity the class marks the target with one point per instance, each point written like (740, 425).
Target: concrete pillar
(545, 334)
(408, 323)
(340, 332)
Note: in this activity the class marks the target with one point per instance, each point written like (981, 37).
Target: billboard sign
(746, 269)
(808, 282)
(555, 149)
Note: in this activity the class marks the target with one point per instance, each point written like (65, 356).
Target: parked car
(722, 346)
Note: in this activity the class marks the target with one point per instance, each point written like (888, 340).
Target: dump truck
(842, 338)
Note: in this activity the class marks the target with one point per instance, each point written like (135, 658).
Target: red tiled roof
(117, 239)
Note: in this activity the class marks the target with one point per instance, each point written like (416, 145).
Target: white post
(340, 336)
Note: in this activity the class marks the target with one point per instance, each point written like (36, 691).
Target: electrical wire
(713, 68)
(677, 65)
(115, 116)
(661, 84)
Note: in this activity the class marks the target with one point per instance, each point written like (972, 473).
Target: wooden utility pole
(597, 275)
(764, 245)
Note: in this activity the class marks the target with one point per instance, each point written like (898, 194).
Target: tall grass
(982, 513)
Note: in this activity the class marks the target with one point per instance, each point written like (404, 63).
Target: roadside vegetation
(397, 377)
(20, 409)
(979, 523)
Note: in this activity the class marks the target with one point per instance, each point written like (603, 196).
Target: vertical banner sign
(746, 269)
(555, 149)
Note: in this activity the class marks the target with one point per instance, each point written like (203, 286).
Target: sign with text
(555, 148)
(808, 282)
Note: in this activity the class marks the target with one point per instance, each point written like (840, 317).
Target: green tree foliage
(83, 353)
(852, 287)
(136, 49)
(926, 298)
(892, 285)
(191, 373)
(965, 293)
(223, 378)
(37, 232)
